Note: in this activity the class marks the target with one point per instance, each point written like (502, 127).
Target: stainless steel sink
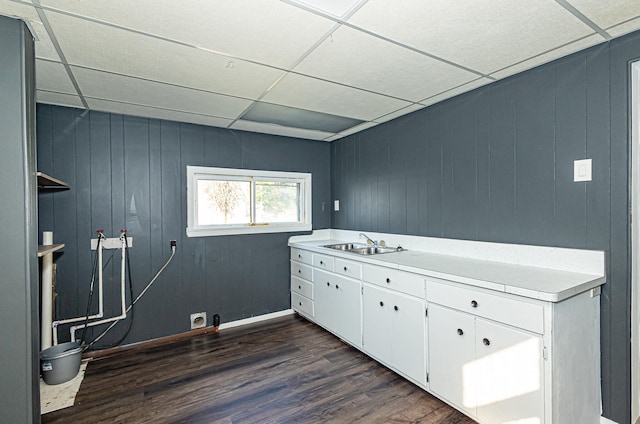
(375, 250)
(345, 246)
(362, 249)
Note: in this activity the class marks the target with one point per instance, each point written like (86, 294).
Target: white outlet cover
(198, 320)
(582, 170)
(336, 205)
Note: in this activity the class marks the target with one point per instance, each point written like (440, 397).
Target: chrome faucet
(369, 241)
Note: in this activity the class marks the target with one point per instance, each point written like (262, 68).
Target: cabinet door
(348, 316)
(408, 336)
(451, 356)
(323, 298)
(376, 323)
(509, 371)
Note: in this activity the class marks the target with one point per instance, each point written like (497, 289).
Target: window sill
(252, 229)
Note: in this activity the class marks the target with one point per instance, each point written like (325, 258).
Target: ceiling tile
(267, 31)
(607, 13)
(360, 60)
(549, 56)
(150, 112)
(103, 85)
(43, 44)
(359, 128)
(398, 113)
(478, 35)
(18, 10)
(52, 76)
(322, 96)
(107, 48)
(624, 28)
(60, 99)
(279, 130)
(454, 92)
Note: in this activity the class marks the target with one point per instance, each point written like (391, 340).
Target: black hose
(93, 279)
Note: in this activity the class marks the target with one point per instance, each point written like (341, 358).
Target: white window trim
(196, 172)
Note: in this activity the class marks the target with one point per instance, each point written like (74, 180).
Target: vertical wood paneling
(398, 205)
(45, 164)
(193, 250)
(171, 318)
(64, 212)
(535, 157)
(501, 222)
(460, 122)
(433, 220)
(571, 107)
(83, 215)
(483, 163)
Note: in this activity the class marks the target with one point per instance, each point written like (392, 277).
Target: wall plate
(198, 320)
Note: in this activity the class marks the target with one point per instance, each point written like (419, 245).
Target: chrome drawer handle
(460, 332)
(474, 304)
(486, 341)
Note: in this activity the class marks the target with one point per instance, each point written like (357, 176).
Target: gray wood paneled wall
(128, 172)
(496, 164)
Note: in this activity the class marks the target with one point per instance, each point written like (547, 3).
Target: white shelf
(50, 248)
(46, 181)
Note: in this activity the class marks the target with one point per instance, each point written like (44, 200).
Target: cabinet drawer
(323, 261)
(303, 256)
(394, 279)
(348, 268)
(302, 287)
(498, 308)
(301, 304)
(301, 270)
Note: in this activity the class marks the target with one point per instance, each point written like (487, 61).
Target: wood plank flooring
(285, 370)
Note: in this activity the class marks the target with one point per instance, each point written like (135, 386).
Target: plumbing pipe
(155, 277)
(100, 314)
(47, 293)
(124, 310)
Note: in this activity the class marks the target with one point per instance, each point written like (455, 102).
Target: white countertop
(535, 282)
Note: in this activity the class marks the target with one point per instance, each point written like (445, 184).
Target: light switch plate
(582, 170)
(336, 205)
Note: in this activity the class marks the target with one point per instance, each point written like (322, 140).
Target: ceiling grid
(314, 69)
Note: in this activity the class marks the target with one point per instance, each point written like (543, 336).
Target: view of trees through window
(229, 202)
(277, 201)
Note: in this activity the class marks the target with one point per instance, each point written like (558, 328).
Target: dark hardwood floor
(286, 370)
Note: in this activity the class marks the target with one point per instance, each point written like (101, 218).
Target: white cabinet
(393, 326)
(337, 305)
(302, 292)
(451, 349)
(491, 371)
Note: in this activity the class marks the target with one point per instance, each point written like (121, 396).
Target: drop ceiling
(313, 69)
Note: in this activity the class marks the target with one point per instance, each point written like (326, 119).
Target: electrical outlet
(198, 320)
(173, 244)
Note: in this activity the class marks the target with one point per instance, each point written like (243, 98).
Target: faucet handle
(382, 243)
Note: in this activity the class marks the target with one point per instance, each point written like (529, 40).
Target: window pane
(277, 201)
(223, 202)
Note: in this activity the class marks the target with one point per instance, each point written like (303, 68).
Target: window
(224, 201)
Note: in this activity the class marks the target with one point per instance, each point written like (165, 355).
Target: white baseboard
(604, 420)
(255, 319)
